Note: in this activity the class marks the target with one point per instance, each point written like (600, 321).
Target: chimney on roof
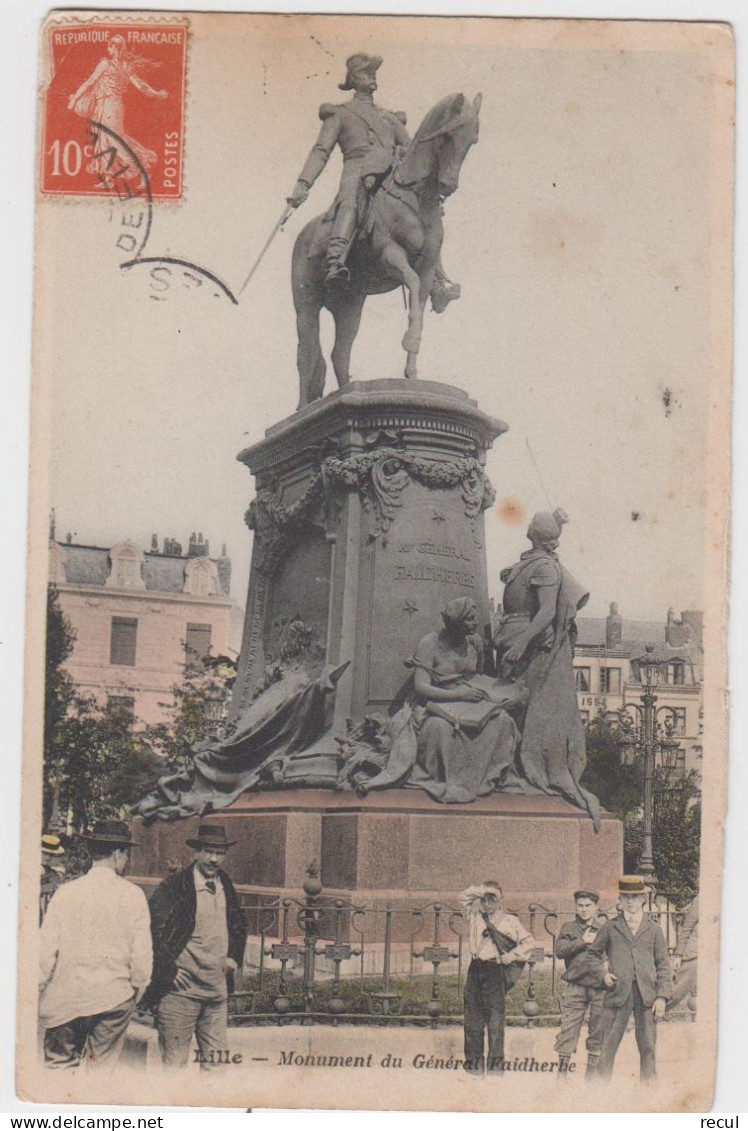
(694, 619)
(68, 538)
(52, 525)
(613, 627)
(224, 571)
(198, 548)
(676, 635)
(154, 543)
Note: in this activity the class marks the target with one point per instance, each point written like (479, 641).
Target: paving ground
(408, 1057)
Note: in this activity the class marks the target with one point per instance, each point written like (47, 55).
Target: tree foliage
(618, 786)
(676, 809)
(196, 714)
(95, 766)
(676, 834)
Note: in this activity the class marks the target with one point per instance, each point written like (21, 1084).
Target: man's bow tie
(210, 885)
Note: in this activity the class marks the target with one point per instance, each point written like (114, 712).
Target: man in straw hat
(96, 957)
(369, 138)
(638, 977)
(199, 935)
(52, 870)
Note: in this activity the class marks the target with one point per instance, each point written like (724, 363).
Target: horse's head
(459, 132)
(441, 144)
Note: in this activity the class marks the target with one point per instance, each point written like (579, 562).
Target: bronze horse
(400, 245)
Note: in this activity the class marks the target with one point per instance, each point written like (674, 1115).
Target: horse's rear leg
(346, 311)
(309, 358)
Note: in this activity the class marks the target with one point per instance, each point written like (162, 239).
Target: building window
(678, 717)
(201, 578)
(121, 705)
(610, 681)
(676, 674)
(585, 716)
(197, 645)
(123, 642)
(582, 679)
(126, 567)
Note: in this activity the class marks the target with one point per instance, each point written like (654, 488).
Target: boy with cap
(499, 948)
(199, 935)
(583, 995)
(638, 977)
(95, 957)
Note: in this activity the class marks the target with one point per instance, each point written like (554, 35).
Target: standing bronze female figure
(535, 642)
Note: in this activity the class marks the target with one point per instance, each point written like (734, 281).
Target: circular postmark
(120, 171)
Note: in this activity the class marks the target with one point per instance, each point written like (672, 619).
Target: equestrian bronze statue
(384, 229)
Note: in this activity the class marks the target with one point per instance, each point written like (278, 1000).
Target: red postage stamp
(114, 109)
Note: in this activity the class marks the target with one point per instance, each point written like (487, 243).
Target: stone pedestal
(368, 519)
(402, 848)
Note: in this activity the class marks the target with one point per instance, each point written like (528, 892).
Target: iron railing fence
(320, 959)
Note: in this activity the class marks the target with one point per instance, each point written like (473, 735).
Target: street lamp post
(641, 734)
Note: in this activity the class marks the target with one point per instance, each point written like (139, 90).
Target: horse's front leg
(395, 257)
(346, 310)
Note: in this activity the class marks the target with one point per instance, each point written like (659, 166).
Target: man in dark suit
(199, 934)
(638, 977)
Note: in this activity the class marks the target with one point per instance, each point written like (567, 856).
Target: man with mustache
(199, 935)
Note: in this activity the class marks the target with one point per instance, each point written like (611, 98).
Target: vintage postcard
(375, 698)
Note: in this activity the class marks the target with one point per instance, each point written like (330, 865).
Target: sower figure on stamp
(370, 140)
(583, 995)
(96, 957)
(638, 978)
(199, 935)
(499, 948)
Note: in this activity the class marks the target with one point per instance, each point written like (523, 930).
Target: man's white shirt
(634, 920)
(96, 949)
(481, 946)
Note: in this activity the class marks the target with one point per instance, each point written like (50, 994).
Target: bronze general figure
(384, 228)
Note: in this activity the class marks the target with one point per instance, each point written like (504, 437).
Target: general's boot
(341, 238)
(337, 272)
(563, 1065)
(442, 294)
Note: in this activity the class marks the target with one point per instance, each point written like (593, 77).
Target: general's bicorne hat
(210, 836)
(587, 895)
(631, 885)
(356, 64)
(114, 833)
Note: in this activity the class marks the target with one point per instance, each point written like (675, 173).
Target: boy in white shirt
(499, 947)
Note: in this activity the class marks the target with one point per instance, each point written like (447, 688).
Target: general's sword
(278, 227)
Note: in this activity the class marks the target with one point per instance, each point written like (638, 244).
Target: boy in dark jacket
(199, 934)
(583, 995)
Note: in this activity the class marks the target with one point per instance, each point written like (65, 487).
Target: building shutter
(198, 643)
(123, 642)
